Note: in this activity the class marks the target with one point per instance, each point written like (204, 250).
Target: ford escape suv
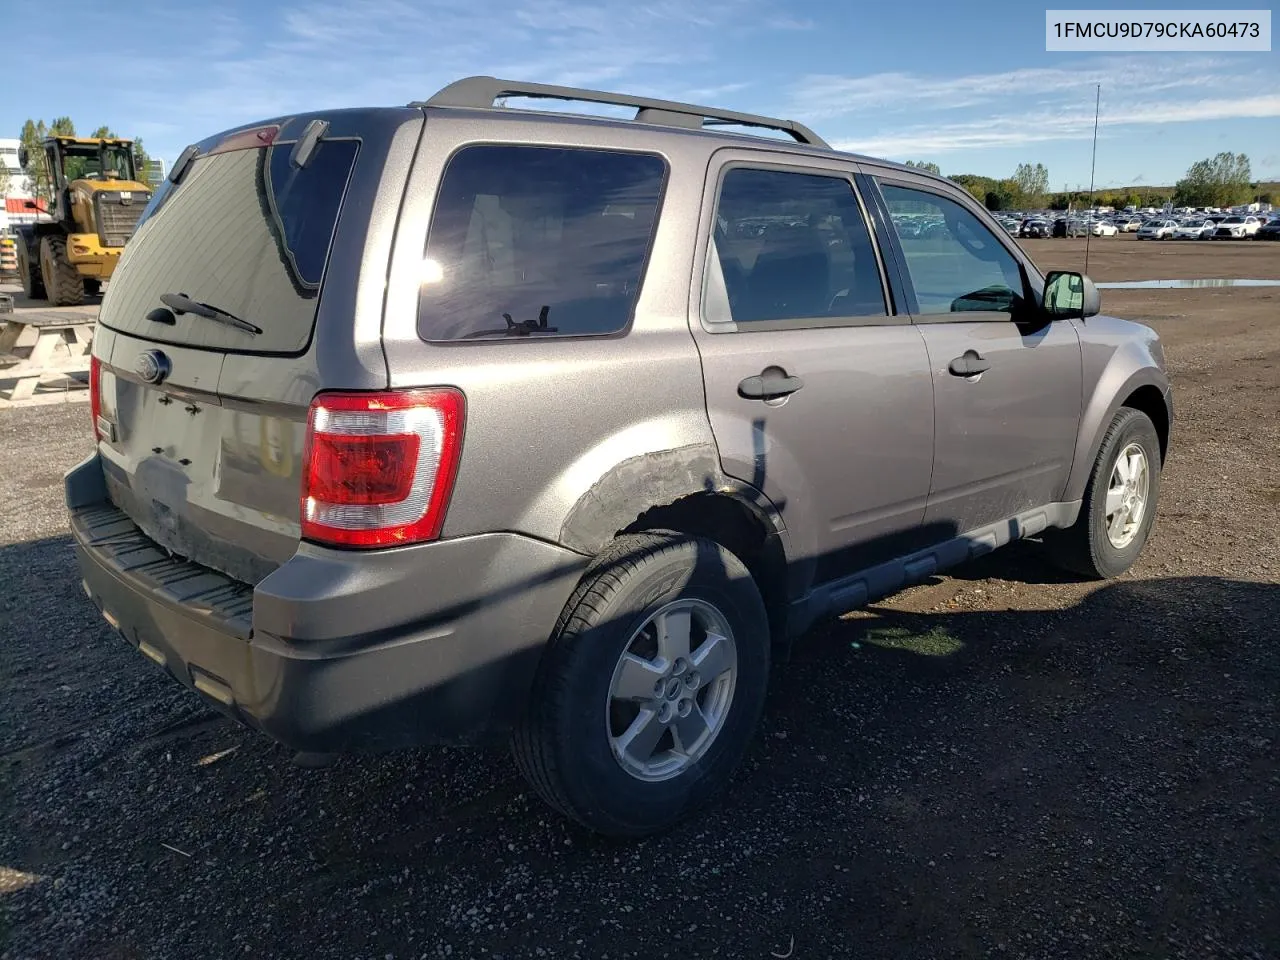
(455, 422)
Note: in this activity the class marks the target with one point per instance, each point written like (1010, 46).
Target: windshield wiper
(180, 303)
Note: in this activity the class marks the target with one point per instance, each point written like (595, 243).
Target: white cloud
(789, 23)
(320, 54)
(820, 96)
(329, 53)
(908, 114)
(1016, 130)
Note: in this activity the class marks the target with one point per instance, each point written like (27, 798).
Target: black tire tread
(29, 269)
(532, 739)
(533, 742)
(66, 286)
(1076, 549)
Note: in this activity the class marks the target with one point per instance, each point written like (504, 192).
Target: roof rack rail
(481, 92)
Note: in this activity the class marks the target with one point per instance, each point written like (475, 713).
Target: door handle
(968, 364)
(770, 384)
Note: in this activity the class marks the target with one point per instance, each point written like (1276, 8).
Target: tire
(32, 279)
(566, 743)
(1086, 547)
(64, 286)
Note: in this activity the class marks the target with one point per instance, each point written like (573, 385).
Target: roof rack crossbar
(481, 92)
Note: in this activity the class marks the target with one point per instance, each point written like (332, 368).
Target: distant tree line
(1221, 181)
(1026, 189)
(34, 131)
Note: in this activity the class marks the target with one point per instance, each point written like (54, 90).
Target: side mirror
(1068, 294)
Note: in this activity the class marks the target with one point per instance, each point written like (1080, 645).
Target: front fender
(1119, 359)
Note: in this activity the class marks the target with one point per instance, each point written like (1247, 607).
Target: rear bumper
(336, 650)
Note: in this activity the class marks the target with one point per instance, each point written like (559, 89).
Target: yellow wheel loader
(97, 200)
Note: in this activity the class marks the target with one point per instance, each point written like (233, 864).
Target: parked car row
(1234, 227)
(1162, 227)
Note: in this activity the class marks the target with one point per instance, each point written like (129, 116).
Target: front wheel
(650, 690)
(1119, 503)
(63, 284)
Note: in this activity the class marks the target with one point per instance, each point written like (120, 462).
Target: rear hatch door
(212, 328)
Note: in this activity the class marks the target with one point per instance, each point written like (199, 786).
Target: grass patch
(936, 642)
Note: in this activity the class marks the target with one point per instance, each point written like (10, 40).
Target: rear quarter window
(245, 231)
(538, 241)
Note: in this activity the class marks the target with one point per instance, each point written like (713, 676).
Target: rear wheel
(1119, 503)
(651, 688)
(29, 273)
(64, 285)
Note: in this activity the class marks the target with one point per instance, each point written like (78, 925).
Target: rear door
(1006, 383)
(203, 415)
(818, 391)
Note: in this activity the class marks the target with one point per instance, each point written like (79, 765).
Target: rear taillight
(95, 396)
(379, 467)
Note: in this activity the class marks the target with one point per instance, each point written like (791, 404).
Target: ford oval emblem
(152, 366)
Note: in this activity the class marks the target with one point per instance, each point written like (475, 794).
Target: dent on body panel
(635, 485)
(645, 464)
(773, 469)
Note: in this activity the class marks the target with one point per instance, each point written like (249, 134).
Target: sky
(971, 90)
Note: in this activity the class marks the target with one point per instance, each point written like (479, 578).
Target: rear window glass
(538, 241)
(246, 232)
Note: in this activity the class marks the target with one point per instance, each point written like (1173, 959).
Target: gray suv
(455, 422)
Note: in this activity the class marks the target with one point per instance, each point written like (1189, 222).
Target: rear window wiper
(518, 328)
(180, 303)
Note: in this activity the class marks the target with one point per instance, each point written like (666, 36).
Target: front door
(1007, 382)
(818, 392)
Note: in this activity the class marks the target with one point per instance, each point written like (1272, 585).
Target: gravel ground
(1001, 762)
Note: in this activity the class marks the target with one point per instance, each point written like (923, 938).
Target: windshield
(1234, 220)
(93, 162)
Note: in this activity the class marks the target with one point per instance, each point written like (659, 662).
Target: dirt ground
(999, 763)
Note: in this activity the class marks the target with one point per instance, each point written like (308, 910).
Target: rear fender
(632, 487)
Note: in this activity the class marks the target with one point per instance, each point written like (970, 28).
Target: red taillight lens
(363, 470)
(379, 467)
(95, 395)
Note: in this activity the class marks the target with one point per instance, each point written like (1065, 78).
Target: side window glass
(543, 241)
(956, 263)
(790, 246)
